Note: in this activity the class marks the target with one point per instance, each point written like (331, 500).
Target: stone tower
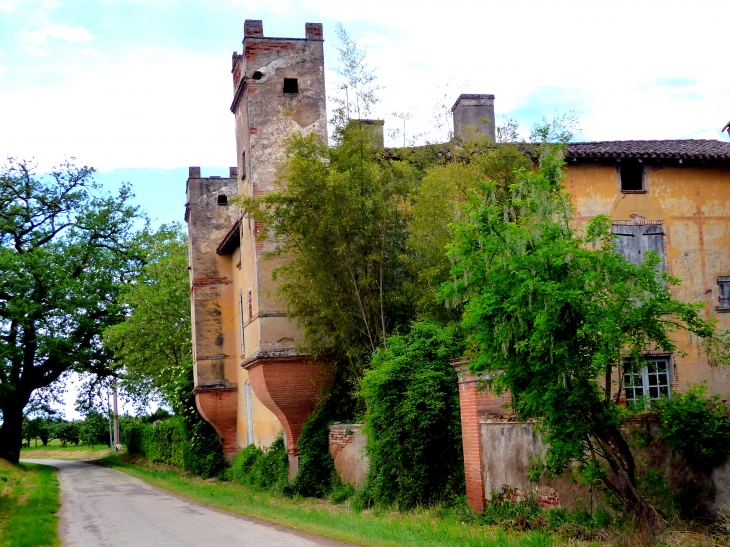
(278, 89)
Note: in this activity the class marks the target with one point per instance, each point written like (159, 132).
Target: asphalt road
(103, 507)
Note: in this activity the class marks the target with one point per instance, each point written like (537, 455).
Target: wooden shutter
(723, 282)
(634, 242)
(627, 242)
(653, 240)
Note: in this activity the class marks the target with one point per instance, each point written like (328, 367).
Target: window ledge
(634, 191)
(722, 309)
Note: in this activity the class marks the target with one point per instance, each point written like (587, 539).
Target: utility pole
(111, 434)
(116, 419)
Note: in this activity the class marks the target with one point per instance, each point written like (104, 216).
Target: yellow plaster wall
(694, 203)
(266, 425)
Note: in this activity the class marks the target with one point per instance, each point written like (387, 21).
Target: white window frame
(243, 323)
(641, 379)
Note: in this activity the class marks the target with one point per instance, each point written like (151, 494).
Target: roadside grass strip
(376, 528)
(29, 504)
(69, 452)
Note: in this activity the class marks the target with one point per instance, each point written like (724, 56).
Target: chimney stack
(474, 113)
(253, 28)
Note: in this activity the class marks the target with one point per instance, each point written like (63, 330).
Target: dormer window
(291, 85)
(222, 199)
(631, 175)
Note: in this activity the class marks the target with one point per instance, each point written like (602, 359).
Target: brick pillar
(474, 404)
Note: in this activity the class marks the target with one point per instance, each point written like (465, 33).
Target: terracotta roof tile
(670, 149)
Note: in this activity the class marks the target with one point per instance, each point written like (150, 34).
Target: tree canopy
(66, 248)
(153, 345)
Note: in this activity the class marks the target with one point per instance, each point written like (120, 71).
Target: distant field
(29, 504)
(69, 452)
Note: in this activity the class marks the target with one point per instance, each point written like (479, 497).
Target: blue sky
(140, 89)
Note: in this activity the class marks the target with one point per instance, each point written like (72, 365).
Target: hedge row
(162, 441)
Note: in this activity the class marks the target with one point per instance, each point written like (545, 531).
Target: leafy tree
(42, 428)
(94, 429)
(67, 432)
(437, 204)
(340, 218)
(154, 343)
(552, 311)
(153, 347)
(65, 249)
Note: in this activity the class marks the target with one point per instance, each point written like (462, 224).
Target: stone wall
(509, 449)
(347, 447)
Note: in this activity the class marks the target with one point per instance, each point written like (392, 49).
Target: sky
(141, 89)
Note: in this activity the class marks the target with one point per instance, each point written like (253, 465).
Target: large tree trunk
(621, 462)
(11, 432)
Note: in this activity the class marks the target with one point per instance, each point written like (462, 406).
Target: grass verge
(29, 504)
(69, 452)
(376, 528)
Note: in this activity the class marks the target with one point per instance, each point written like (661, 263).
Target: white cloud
(152, 108)
(36, 41)
(165, 107)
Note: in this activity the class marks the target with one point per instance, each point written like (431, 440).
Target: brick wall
(475, 403)
(340, 436)
(347, 447)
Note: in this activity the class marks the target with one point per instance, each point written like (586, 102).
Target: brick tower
(278, 89)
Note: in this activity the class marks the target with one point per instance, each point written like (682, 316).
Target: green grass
(69, 452)
(422, 527)
(29, 504)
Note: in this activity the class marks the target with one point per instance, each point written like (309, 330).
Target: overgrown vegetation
(413, 422)
(528, 515)
(29, 504)
(695, 427)
(261, 469)
(162, 441)
(551, 311)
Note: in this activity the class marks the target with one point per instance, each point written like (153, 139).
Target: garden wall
(347, 447)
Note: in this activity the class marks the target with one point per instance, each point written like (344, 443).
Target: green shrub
(316, 467)
(695, 427)
(528, 515)
(413, 422)
(342, 492)
(261, 469)
(166, 443)
(136, 438)
(202, 451)
(240, 469)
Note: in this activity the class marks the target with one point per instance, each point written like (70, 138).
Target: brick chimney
(474, 113)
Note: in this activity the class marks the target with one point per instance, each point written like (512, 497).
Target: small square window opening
(631, 173)
(291, 85)
(222, 199)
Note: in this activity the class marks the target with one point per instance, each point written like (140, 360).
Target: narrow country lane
(102, 507)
